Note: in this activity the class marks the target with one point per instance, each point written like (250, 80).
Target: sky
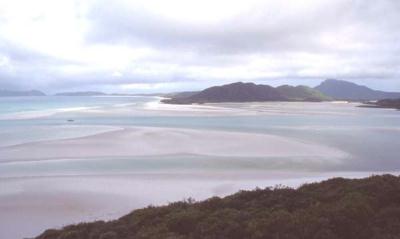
(176, 45)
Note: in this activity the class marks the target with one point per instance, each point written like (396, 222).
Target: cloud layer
(177, 45)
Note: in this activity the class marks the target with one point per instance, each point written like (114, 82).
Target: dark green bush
(334, 209)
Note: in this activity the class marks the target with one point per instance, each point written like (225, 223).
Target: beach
(83, 162)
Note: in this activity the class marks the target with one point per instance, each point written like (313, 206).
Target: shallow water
(38, 194)
(370, 136)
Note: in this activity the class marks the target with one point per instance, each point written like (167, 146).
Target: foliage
(334, 209)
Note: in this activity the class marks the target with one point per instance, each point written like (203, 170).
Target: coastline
(35, 204)
(54, 182)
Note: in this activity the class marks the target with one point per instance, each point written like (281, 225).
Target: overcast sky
(159, 45)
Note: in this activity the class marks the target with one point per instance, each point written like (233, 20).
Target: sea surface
(38, 194)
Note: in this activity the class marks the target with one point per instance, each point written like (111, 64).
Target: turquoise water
(34, 194)
(30, 119)
(370, 136)
(36, 104)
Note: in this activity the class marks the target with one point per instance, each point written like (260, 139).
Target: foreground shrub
(333, 209)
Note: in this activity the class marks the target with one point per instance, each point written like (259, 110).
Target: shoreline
(77, 199)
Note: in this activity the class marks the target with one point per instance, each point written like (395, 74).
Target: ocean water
(25, 105)
(369, 136)
(30, 119)
(90, 186)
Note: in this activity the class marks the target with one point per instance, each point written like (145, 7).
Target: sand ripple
(148, 141)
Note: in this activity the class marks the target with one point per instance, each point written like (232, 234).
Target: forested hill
(334, 209)
(248, 92)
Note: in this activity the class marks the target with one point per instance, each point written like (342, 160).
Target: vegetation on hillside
(247, 92)
(334, 209)
(302, 93)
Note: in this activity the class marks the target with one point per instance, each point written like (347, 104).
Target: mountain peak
(345, 90)
(339, 82)
(81, 93)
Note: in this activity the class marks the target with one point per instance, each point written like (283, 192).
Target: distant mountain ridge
(248, 92)
(330, 89)
(344, 90)
(11, 93)
(81, 93)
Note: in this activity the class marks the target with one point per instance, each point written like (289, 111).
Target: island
(328, 90)
(338, 208)
(12, 93)
(247, 92)
(386, 103)
(81, 93)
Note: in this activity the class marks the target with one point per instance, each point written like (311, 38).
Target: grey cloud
(119, 24)
(19, 55)
(256, 31)
(275, 33)
(27, 68)
(362, 44)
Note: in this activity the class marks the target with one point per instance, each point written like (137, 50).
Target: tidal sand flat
(16, 135)
(111, 106)
(122, 154)
(146, 141)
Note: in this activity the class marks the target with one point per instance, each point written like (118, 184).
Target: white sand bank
(146, 141)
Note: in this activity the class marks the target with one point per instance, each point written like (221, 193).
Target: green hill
(302, 93)
(248, 92)
(334, 209)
